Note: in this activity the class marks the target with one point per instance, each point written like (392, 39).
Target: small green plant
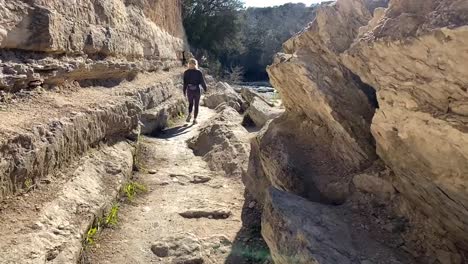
(132, 188)
(28, 183)
(91, 235)
(180, 115)
(112, 217)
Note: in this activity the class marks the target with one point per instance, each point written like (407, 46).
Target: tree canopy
(231, 37)
(212, 25)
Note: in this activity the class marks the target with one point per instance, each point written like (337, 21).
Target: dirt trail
(179, 183)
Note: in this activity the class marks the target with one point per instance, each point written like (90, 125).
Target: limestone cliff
(413, 55)
(49, 42)
(51, 50)
(325, 134)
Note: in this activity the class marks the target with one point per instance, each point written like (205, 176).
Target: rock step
(56, 231)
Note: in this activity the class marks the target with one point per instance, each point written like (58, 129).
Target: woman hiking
(193, 78)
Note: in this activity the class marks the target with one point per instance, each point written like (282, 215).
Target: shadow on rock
(249, 246)
(174, 131)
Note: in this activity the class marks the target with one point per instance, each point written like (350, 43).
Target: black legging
(194, 100)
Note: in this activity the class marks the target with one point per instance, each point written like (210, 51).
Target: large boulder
(301, 232)
(259, 112)
(223, 142)
(223, 93)
(155, 119)
(324, 137)
(249, 95)
(414, 54)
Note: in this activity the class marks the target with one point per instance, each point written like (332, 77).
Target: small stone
(160, 250)
(152, 171)
(252, 204)
(37, 226)
(46, 181)
(200, 179)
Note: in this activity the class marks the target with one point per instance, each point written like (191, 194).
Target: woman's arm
(185, 83)
(202, 81)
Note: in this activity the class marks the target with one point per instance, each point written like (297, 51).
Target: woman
(193, 78)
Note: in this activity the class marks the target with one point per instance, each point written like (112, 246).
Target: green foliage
(28, 183)
(91, 235)
(112, 217)
(111, 220)
(211, 25)
(131, 189)
(224, 35)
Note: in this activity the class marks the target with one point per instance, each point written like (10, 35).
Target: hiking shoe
(195, 122)
(188, 118)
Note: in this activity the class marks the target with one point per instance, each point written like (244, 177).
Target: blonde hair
(193, 63)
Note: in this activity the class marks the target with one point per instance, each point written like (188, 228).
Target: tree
(212, 25)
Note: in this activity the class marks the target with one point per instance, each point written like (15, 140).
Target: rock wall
(51, 49)
(415, 56)
(49, 42)
(358, 89)
(36, 143)
(324, 136)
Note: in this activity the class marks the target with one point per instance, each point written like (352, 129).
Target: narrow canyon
(359, 155)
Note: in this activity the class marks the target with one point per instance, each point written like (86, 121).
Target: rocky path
(189, 215)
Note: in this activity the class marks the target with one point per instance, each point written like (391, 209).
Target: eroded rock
(223, 143)
(42, 144)
(260, 112)
(189, 249)
(223, 93)
(324, 136)
(375, 185)
(299, 231)
(250, 95)
(206, 213)
(108, 41)
(56, 236)
(414, 54)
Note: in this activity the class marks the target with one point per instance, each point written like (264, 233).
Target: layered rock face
(51, 50)
(53, 41)
(34, 144)
(325, 134)
(414, 54)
